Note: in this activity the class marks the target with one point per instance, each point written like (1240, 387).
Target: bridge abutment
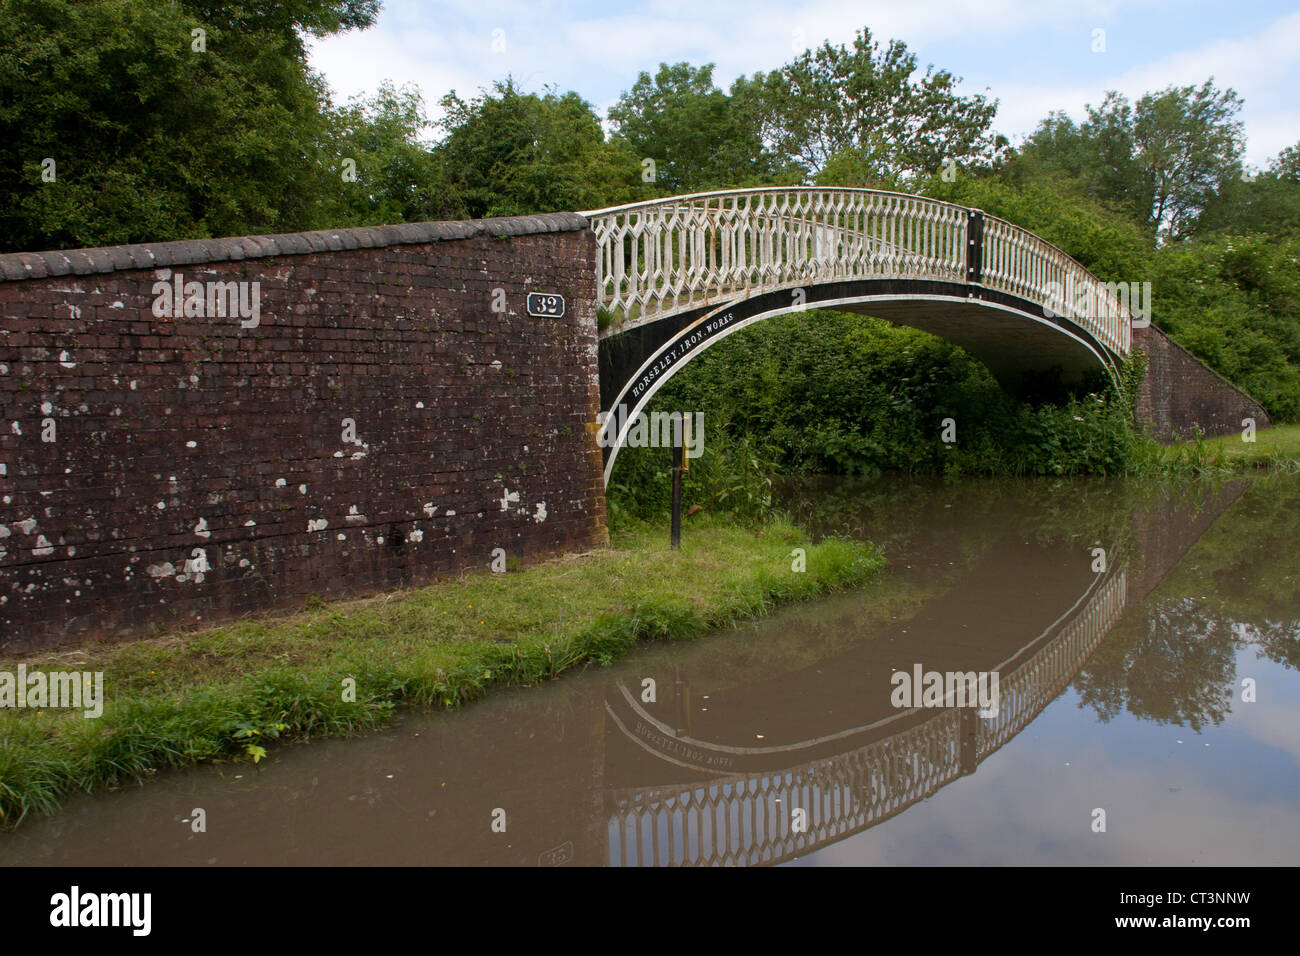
(1180, 393)
(366, 408)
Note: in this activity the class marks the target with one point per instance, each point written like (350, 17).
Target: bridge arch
(676, 275)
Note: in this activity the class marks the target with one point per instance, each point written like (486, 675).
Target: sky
(1033, 56)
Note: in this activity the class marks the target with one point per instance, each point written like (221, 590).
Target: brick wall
(1179, 391)
(377, 424)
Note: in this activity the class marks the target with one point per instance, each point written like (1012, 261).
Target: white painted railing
(669, 255)
(1015, 260)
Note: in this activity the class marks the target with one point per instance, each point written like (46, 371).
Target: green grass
(1281, 441)
(1276, 449)
(232, 691)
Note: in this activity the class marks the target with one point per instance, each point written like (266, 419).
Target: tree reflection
(1177, 666)
(1279, 641)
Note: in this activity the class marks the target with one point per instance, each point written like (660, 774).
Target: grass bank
(232, 691)
(1276, 449)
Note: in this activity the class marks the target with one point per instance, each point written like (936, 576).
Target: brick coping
(16, 266)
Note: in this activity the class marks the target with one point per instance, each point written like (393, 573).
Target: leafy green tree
(1188, 141)
(158, 132)
(397, 176)
(1160, 160)
(509, 153)
(866, 102)
(1098, 155)
(289, 20)
(1287, 164)
(1110, 245)
(694, 133)
(1265, 203)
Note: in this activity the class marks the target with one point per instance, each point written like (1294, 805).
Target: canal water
(1145, 642)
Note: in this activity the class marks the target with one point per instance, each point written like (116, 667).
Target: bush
(1234, 303)
(837, 393)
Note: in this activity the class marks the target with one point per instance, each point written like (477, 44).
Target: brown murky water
(1124, 689)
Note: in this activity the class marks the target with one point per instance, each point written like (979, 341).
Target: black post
(975, 246)
(677, 491)
(968, 746)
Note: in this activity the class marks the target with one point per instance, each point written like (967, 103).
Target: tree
(119, 123)
(510, 153)
(1100, 154)
(1287, 164)
(691, 130)
(288, 20)
(1265, 203)
(1187, 143)
(864, 103)
(1160, 160)
(398, 177)
(1109, 244)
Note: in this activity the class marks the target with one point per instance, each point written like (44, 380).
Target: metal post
(968, 741)
(677, 492)
(975, 246)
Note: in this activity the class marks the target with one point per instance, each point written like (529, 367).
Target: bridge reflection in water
(745, 726)
(746, 818)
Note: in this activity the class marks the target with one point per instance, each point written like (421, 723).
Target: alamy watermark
(946, 689)
(76, 690)
(76, 908)
(657, 430)
(178, 298)
(1088, 299)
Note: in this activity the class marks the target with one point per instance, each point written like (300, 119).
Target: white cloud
(599, 54)
(1273, 724)
(1250, 65)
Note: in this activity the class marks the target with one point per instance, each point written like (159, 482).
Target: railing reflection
(746, 819)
